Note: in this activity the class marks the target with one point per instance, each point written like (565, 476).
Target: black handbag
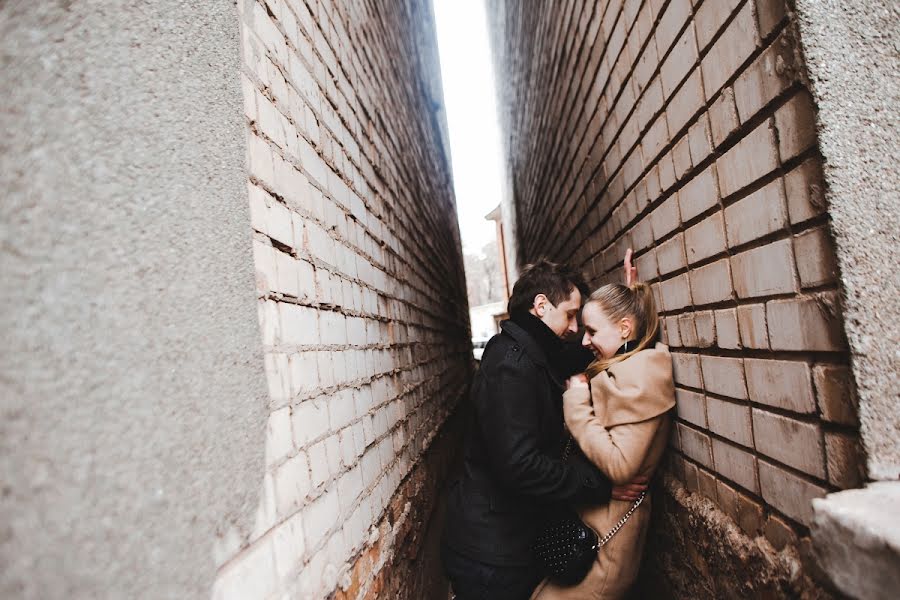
(566, 547)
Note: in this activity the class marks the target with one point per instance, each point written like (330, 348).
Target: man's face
(561, 318)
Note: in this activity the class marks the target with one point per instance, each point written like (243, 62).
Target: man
(512, 466)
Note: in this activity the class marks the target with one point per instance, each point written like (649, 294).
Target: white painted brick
(277, 375)
(259, 210)
(289, 546)
(299, 324)
(342, 410)
(251, 575)
(304, 373)
(269, 322)
(339, 366)
(279, 224)
(320, 517)
(326, 368)
(350, 486)
(333, 327)
(318, 463)
(279, 440)
(264, 265)
(386, 451)
(371, 466)
(309, 421)
(288, 275)
(359, 439)
(348, 446)
(333, 453)
(292, 484)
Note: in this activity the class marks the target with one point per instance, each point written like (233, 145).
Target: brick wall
(685, 130)
(361, 297)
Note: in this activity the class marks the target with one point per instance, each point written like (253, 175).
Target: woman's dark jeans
(474, 580)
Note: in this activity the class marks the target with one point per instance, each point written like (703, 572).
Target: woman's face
(602, 336)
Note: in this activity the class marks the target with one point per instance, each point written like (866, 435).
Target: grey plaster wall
(851, 47)
(131, 371)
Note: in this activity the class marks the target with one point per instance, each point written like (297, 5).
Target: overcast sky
(468, 80)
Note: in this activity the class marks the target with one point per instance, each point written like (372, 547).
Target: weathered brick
(735, 46)
(845, 460)
(759, 214)
(816, 262)
(685, 103)
(681, 157)
(764, 271)
(723, 116)
(811, 323)
(700, 140)
(780, 383)
(691, 406)
(724, 376)
(730, 420)
(746, 512)
(705, 239)
(789, 441)
(779, 532)
(805, 191)
(769, 13)
(680, 61)
(796, 125)
(705, 326)
(686, 369)
(712, 283)
(699, 194)
(751, 158)
(752, 324)
(676, 292)
(665, 218)
(695, 445)
(834, 391)
(706, 483)
(737, 465)
(688, 330)
(710, 18)
(727, 334)
(677, 12)
(788, 493)
(769, 75)
(672, 333)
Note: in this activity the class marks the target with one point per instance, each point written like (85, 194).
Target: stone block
(730, 420)
(724, 376)
(761, 213)
(792, 442)
(780, 383)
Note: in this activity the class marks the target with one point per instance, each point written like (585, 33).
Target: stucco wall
(132, 375)
(851, 51)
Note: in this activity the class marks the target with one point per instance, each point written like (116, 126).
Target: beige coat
(622, 425)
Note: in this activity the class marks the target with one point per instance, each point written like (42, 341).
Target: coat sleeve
(509, 423)
(618, 452)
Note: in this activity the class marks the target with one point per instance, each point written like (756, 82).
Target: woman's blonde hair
(617, 302)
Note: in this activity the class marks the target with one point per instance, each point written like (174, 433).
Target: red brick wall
(685, 130)
(362, 299)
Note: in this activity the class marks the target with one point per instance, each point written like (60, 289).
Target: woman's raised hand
(631, 274)
(576, 381)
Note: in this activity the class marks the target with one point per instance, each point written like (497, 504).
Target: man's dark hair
(554, 280)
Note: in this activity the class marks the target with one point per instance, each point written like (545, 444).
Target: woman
(621, 423)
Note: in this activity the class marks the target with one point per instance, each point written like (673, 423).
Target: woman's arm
(620, 451)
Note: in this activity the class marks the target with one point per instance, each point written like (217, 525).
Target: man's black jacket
(513, 473)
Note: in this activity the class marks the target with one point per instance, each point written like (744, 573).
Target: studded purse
(566, 547)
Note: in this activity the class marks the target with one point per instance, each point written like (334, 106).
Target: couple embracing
(562, 442)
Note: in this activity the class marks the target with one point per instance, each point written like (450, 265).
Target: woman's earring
(626, 345)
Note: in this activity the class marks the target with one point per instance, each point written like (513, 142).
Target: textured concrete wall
(132, 372)
(685, 129)
(361, 298)
(851, 51)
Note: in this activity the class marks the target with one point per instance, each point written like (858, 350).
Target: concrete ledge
(856, 535)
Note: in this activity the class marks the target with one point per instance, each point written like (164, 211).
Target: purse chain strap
(605, 539)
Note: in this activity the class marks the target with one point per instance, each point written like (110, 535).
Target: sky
(468, 80)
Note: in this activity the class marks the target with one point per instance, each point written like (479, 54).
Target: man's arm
(508, 419)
